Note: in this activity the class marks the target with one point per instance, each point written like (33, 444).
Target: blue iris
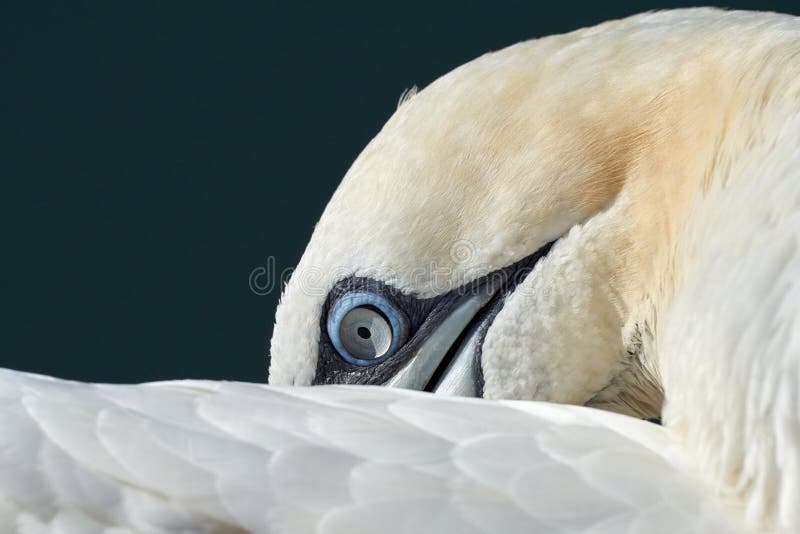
(366, 328)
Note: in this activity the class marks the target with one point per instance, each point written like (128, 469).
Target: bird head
(510, 232)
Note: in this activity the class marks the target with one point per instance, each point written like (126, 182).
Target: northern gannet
(604, 218)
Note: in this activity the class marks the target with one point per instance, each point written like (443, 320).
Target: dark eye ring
(366, 328)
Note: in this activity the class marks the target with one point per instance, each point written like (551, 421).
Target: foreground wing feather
(199, 456)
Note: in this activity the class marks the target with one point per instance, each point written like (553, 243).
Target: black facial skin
(424, 315)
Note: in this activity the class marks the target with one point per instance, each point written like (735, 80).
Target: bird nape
(602, 219)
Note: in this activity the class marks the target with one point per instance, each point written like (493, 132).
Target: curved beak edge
(459, 377)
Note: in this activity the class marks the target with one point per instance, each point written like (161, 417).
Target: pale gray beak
(460, 377)
(449, 360)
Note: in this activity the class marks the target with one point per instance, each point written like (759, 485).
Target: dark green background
(156, 155)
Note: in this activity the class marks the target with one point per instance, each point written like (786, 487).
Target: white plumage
(660, 153)
(198, 456)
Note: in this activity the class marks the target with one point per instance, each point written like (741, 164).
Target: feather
(346, 459)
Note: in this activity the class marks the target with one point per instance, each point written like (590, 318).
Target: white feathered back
(226, 457)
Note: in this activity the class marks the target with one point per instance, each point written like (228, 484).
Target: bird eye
(366, 328)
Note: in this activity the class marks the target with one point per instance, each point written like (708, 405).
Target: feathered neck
(725, 305)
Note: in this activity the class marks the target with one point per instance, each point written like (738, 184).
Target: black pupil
(363, 332)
